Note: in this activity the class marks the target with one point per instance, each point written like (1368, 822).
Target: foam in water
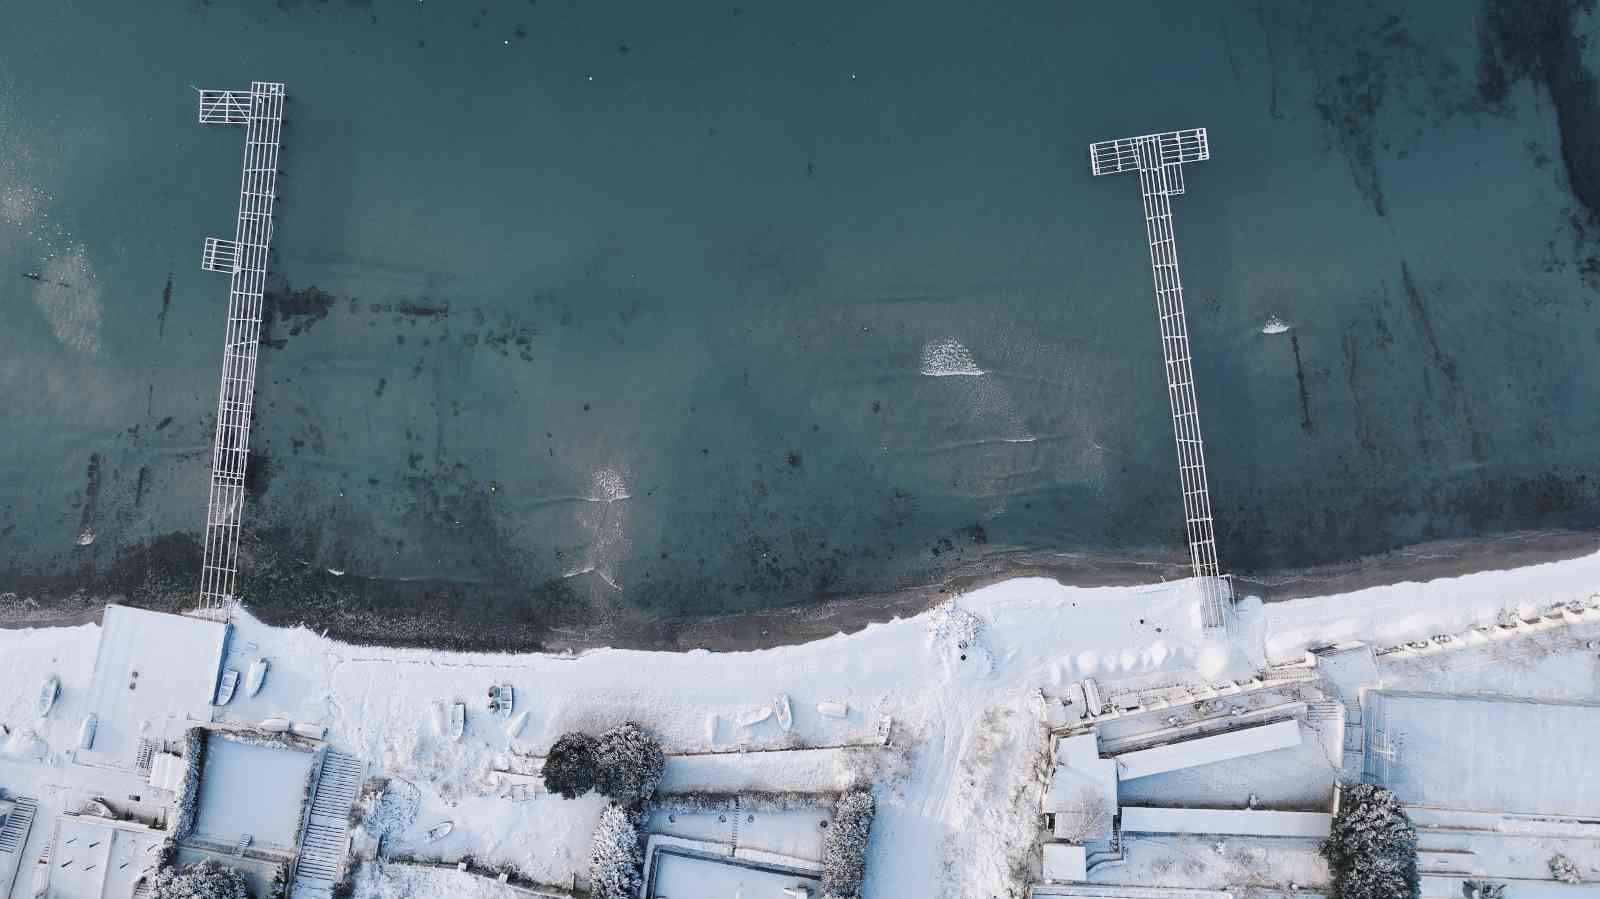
(946, 357)
(1274, 325)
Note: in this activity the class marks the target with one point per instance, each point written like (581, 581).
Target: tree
(205, 880)
(629, 764)
(1086, 818)
(569, 769)
(1565, 869)
(1372, 851)
(844, 849)
(616, 860)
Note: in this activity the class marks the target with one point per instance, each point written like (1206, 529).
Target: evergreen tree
(569, 769)
(616, 861)
(844, 849)
(1372, 850)
(205, 880)
(629, 764)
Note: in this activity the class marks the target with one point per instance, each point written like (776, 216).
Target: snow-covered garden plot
(378, 880)
(682, 874)
(255, 789)
(1485, 754)
(795, 832)
(1244, 865)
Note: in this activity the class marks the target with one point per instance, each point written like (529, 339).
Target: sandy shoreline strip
(801, 624)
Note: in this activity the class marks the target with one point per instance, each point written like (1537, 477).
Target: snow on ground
(1216, 863)
(957, 791)
(1385, 616)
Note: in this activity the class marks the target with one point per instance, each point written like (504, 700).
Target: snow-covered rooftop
(1221, 747)
(154, 676)
(97, 858)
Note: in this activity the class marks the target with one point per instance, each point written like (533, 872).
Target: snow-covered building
(1221, 747)
(155, 675)
(93, 857)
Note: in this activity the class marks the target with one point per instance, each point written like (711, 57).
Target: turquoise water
(638, 297)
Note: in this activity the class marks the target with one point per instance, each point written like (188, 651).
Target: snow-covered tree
(616, 861)
(1087, 817)
(1565, 869)
(844, 849)
(1372, 851)
(569, 768)
(205, 880)
(628, 764)
(194, 757)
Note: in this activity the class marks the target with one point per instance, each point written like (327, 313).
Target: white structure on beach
(1159, 159)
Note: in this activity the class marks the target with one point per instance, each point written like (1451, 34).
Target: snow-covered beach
(957, 786)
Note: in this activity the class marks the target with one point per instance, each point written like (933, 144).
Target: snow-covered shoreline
(957, 681)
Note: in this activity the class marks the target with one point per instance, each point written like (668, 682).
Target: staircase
(323, 842)
(14, 835)
(239, 847)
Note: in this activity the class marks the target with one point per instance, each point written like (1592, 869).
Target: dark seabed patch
(1300, 382)
(166, 304)
(1539, 40)
(91, 501)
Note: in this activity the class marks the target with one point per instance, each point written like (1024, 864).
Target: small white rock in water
(86, 538)
(1274, 325)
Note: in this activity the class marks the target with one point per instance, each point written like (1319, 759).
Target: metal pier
(260, 110)
(1159, 160)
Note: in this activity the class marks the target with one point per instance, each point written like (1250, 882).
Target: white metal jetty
(260, 110)
(1159, 159)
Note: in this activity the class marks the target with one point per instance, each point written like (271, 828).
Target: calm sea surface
(707, 307)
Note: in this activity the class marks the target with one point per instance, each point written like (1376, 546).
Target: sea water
(712, 307)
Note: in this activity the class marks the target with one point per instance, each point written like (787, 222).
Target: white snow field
(958, 789)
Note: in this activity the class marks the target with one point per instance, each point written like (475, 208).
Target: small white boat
(780, 705)
(436, 714)
(833, 709)
(256, 677)
(458, 720)
(225, 687)
(308, 730)
(48, 693)
(86, 732)
(439, 831)
(755, 716)
(277, 724)
(515, 725)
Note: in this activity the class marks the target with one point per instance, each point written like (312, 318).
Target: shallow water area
(588, 318)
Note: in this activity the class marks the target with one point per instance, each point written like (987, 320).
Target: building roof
(1489, 754)
(1065, 862)
(98, 858)
(1246, 822)
(155, 675)
(1221, 747)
